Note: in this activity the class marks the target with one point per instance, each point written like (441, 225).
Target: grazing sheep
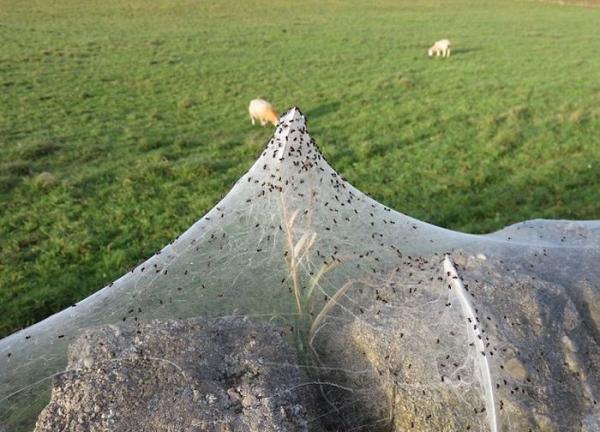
(263, 111)
(440, 47)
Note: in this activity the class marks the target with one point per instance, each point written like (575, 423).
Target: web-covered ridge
(395, 324)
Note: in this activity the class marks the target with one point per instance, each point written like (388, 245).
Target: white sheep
(263, 111)
(440, 47)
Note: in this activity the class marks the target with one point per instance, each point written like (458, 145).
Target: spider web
(399, 324)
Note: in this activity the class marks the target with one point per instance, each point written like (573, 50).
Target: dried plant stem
(330, 304)
(315, 280)
(297, 251)
(288, 223)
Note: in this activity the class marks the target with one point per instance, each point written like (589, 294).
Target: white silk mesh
(296, 245)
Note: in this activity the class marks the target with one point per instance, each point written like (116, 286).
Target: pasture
(121, 123)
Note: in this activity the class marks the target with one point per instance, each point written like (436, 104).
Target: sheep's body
(441, 47)
(263, 111)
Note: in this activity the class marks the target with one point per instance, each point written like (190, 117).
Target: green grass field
(121, 124)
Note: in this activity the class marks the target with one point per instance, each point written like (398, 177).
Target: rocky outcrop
(228, 374)
(408, 355)
(466, 343)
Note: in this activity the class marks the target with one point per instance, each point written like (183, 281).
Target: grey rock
(402, 357)
(227, 374)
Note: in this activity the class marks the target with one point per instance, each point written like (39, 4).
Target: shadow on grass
(461, 51)
(322, 110)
